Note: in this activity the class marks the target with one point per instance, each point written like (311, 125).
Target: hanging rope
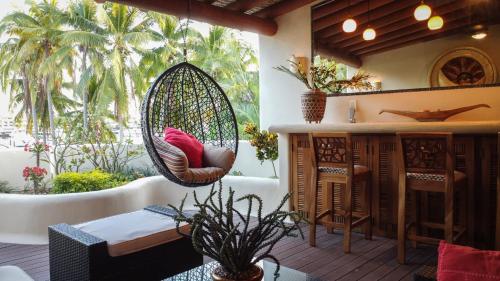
(186, 29)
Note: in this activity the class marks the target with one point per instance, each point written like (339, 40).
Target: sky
(8, 6)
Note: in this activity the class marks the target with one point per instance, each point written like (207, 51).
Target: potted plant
(323, 78)
(228, 236)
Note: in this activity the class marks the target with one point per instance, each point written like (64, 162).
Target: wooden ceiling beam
(206, 13)
(245, 5)
(354, 11)
(323, 10)
(402, 28)
(457, 24)
(446, 33)
(392, 13)
(338, 55)
(282, 8)
(408, 32)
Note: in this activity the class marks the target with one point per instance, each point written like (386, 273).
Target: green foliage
(230, 237)
(72, 182)
(117, 50)
(265, 143)
(328, 76)
(5, 187)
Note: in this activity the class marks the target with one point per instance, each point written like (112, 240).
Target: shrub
(72, 182)
(5, 187)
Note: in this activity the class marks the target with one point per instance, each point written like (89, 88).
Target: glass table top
(204, 273)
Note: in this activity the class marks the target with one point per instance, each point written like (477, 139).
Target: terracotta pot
(254, 274)
(313, 105)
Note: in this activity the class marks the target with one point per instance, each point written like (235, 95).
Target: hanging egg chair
(186, 98)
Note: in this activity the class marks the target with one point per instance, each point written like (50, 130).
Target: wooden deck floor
(369, 260)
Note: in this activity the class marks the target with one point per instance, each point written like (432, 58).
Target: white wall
(280, 93)
(409, 67)
(24, 218)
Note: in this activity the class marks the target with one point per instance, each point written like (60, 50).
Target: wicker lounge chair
(152, 251)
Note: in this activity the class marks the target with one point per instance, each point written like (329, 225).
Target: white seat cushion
(13, 273)
(132, 232)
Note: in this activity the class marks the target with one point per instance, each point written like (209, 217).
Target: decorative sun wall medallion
(462, 67)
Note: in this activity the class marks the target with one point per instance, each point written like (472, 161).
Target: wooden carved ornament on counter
(432, 116)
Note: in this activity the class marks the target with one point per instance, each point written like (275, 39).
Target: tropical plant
(265, 143)
(91, 41)
(223, 233)
(323, 76)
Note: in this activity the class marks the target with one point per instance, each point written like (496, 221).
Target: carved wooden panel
(424, 153)
(330, 149)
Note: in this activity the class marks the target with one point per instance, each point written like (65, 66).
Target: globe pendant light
(422, 12)
(369, 34)
(349, 25)
(435, 23)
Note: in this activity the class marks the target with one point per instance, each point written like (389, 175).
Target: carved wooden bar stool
(332, 163)
(426, 164)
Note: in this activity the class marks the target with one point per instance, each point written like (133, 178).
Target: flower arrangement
(228, 236)
(36, 175)
(324, 76)
(266, 144)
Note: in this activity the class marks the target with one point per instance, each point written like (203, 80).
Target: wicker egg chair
(186, 98)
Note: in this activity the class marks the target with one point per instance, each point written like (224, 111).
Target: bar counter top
(463, 127)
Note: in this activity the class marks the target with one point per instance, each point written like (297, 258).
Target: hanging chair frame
(147, 125)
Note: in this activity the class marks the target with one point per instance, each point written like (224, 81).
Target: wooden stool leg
(347, 215)
(463, 212)
(327, 191)
(312, 210)
(448, 213)
(368, 208)
(415, 210)
(401, 220)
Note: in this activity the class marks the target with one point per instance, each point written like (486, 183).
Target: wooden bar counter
(375, 146)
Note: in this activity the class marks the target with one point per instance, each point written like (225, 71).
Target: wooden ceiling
(249, 15)
(394, 23)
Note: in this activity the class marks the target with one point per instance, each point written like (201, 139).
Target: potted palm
(323, 78)
(228, 236)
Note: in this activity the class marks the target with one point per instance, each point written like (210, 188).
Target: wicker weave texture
(186, 98)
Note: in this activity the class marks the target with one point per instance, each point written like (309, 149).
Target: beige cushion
(220, 157)
(132, 232)
(13, 273)
(203, 175)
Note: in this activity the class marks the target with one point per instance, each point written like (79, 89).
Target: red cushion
(189, 144)
(465, 263)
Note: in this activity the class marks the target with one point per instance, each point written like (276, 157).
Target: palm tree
(168, 31)
(126, 29)
(16, 79)
(38, 34)
(90, 39)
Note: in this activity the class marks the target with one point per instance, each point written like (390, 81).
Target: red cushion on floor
(189, 144)
(465, 263)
